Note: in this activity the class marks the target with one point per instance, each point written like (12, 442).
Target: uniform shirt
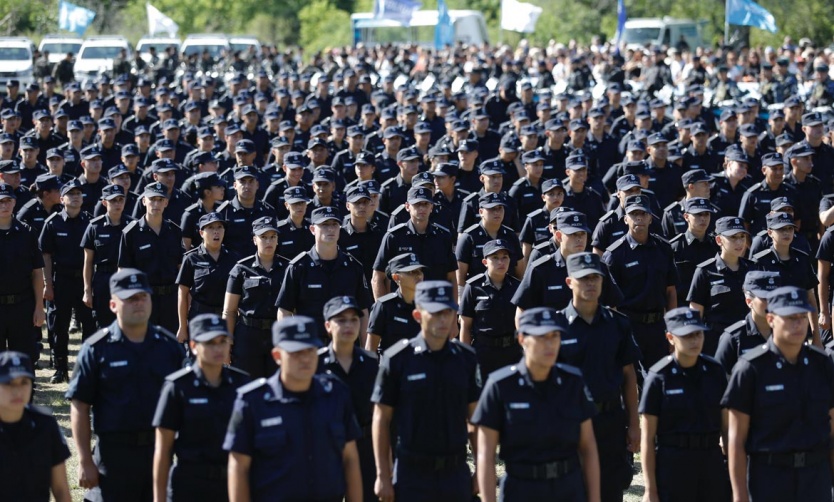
(61, 237)
(20, 255)
(386, 166)
(689, 253)
(788, 404)
(433, 249)
(665, 182)
(447, 211)
(737, 340)
(762, 241)
(541, 249)
(807, 201)
(296, 440)
(726, 198)
(206, 277)
(430, 392)
(121, 379)
(536, 228)
(91, 192)
(491, 308)
(470, 248)
(257, 287)
(311, 281)
(708, 161)
(131, 200)
(239, 227)
(469, 212)
(359, 378)
(826, 253)
(178, 202)
(363, 246)
(190, 222)
(719, 289)
(198, 412)
(102, 236)
(393, 193)
(685, 400)
(755, 204)
(587, 202)
(158, 255)
(293, 240)
(34, 214)
(274, 196)
(642, 272)
(795, 271)
(391, 320)
(30, 448)
(528, 198)
(600, 349)
(537, 422)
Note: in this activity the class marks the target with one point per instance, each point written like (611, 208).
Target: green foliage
(323, 25)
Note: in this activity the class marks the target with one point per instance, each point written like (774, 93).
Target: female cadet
(192, 415)
(716, 290)
(390, 320)
(32, 448)
(487, 313)
(682, 419)
(204, 273)
(540, 414)
(249, 305)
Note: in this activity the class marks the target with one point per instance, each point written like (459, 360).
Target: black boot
(61, 371)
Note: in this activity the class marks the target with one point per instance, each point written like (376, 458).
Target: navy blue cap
(812, 119)
(419, 194)
(628, 181)
(698, 128)
(730, 225)
(163, 166)
(697, 205)
(372, 186)
(778, 203)
(584, 264)
(531, 157)
(410, 153)
(684, 321)
(792, 101)
(577, 124)
(244, 171)
(490, 200)
(636, 146)
(548, 185)
(75, 125)
(110, 192)
(207, 327)
(439, 150)
(46, 182)
(695, 176)
(71, 185)
(540, 321)
(357, 193)
(406, 262)
(315, 131)
(232, 129)
(392, 132)
(576, 161)
(637, 203)
(468, 145)
(15, 365)
(324, 174)
(761, 283)
(164, 145)
(496, 245)
(788, 300)
(422, 179)
(748, 130)
(293, 334)
(339, 304)
(264, 224)
(28, 143)
(6, 191)
(41, 114)
(156, 189)
(293, 195)
(117, 170)
(279, 142)
(779, 220)
(9, 167)
(365, 158)
(435, 296)
(295, 159)
(127, 282)
(510, 143)
(54, 152)
(105, 124)
(355, 130)
(801, 149)
(245, 146)
(140, 130)
(6, 138)
(322, 214)
(571, 222)
(209, 218)
(205, 132)
(130, 149)
(737, 155)
(656, 138)
(779, 113)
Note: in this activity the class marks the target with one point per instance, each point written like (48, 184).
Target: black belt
(254, 322)
(705, 441)
(164, 290)
(433, 462)
(12, 299)
(550, 470)
(498, 342)
(795, 459)
(610, 405)
(106, 269)
(75, 274)
(205, 471)
(205, 307)
(136, 438)
(645, 317)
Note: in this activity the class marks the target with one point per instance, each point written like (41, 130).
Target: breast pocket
(115, 373)
(719, 293)
(255, 289)
(482, 315)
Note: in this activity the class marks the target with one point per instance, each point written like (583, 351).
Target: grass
(52, 396)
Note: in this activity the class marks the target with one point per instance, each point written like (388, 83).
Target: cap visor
(346, 307)
(586, 272)
(206, 336)
(573, 230)
(409, 268)
(293, 346)
(783, 311)
(700, 210)
(127, 293)
(293, 200)
(16, 374)
(781, 224)
(264, 230)
(734, 231)
(435, 307)
(539, 330)
(689, 329)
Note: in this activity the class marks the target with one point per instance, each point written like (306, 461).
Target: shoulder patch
(567, 368)
(223, 206)
(178, 374)
(256, 384)
(754, 353)
(664, 362)
(614, 245)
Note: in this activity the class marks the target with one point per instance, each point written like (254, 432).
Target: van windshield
(14, 54)
(60, 47)
(214, 50)
(640, 35)
(100, 52)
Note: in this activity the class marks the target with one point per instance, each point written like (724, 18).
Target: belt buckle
(551, 470)
(439, 463)
(799, 459)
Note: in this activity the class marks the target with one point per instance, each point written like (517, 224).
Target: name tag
(570, 341)
(240, 220)
(38, 219)
(418, 376)
(774, 388)
(271, 422)
(61, 234)
(352, 247)
(201, 263)
(401, 319)
(615, 234)
(528, 195)
(314, 286)
(519, 406)
(104, 235)
(541, 229)
(117, 364)
(146, 246)
(554, 288)
(287, 243)
(714, 283)
(764, 201)
(629, 265)
(673, 392)
(198, 400)
(482, 298)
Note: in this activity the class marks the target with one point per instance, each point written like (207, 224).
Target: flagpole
(726, 23)
(500, 27)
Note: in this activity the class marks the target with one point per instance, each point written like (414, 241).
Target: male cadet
(754, 330)
(781, 402)
(91, 180)
(427, 389)
(695, 184)
(823, 161)
(63, 259)
(492, 177)
(394, 191)
(21, 284)
(292, 436)
(359, 236)
(599, 341)
(166, 171)
(323, 272)
(808, 189)
(154, 245)
(431, 243)
(612, 225)
(242, 210)
(755, 204)
(536, 228)
(643, 266)
(448, 198)
(118, 376)
(578, 193)
(469, 249)
(730, 186)
(694, 245)
(526, 191)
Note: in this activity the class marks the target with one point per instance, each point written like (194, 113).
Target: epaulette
(710, 360)
(253, 385)
(671, 206)
(387, 182)
(471, 196)
(542, 245)
(162, 331)
(567, 368)
(322, 351)
(756, 352)
(761, 254)
(471, 228)
(799, 251)
(503, 373)
(754, 188)
(519, 181)
(541, 260)
(735, 326)
(676, 238)
(441, 227)
(706, 263)
(245, 261)
(535, 214)
(40, 410)
(190, 251)
(396, 348)
(130, 226)
(97, 218)
(398, 227)
(658, 366)
(178, 374)
(818, 350)
(193, 206)
(385, 298)
(761, 233)
(50, 217)
(223, 206)
(466, 346)
(98, 336)
(475, 278)
(363, 352)
(239, 371)
(608, 215)
(617, 243)
(298, 258)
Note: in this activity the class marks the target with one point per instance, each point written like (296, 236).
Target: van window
(214, 50)
(100, 52)
(14, 54)
(640, 36)
(60, 48)
(159, 46)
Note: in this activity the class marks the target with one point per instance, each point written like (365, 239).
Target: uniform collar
(572, 314)
(317, 259)
(527, 380)
(752, 329)
(199, 376)
(633, 243)
(801, 359)
(420, 345)
(690, 238)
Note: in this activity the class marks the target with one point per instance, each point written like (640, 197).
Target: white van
(143, 46)
(97, 54)
(667, 31)
(470, 28)
(16, 60)
(243, 43)
(214, 43)
(59, 45)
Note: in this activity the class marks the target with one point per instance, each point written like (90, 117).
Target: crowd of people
(314, 284)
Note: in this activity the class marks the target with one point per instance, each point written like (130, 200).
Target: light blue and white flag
(74, 18)
(749, 13)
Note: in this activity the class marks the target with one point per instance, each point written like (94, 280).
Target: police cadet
(294, 235)
(682, 420)
(579, 195)
(357, 368)
(487, 311)
(536, 228)
(118, 375)
(469, 249)
(249, 304)
(427, 388)
(642, 265)
(209, 191)
(63, 259)
(794, 266)
(730, 186)
(204, 273)
(101, 253)
(716, 289)
(293, 435)
(359, 236)
(154, 245)
(753, 330)
(47, 200)
(527, 191)
(32, 446)
(243, 209)
(390, 319)
(599, 342)
(191, 417)
(781, 399)
(612, 225)
(755, 205)
(491, 176)
(539, 413)
(692, 246)
(762, 240)
(696, 184)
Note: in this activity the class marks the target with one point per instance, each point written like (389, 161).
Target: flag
(396, 10)
(519, 16)
(74, 18)
(444, 32)
(749, 13)
(160, 23)
(621, 20)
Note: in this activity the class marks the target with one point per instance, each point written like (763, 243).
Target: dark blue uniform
(391, 320)
(102, 237)
(363, 246)
(797, 271)
(190, 222)
(755, 204)
(470, 246)
(528, 198)
(433, 249)
(159, 256)
(737, 340)
(295, 440)
(788, 443)
(726, 198)
(206, 278)
(199, 413)
(239, 224)
(121, 381)
(34, 214)
(293, 240)
(469, 211)
(20, 256)
(686, 402)
(689, 252)
(430, 393)
(258, 288)
(536, 228)
(539, 426)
